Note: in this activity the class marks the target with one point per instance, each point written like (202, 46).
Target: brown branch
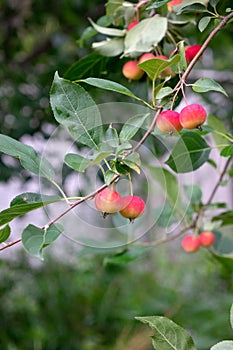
(201, 51)
(167, 239)
(147, 134)
(10, 244)
(219, 181)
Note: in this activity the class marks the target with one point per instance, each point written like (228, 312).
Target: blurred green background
(80, 302)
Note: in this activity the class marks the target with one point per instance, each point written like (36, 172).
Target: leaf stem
(61, 191)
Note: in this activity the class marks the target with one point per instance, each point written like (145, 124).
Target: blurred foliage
(64, 305)
(40, 37)
(37, 38)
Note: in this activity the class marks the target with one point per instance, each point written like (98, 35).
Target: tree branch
(219, 181)
(224, 21)
(202, 50)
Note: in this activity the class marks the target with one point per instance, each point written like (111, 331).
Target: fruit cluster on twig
(109, 201)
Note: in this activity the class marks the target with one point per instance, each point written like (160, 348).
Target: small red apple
(192, 116)
(172, 3)
(132, 207)
(169, 122)
(190, 243)
(108, 201)
(191, 51)
(131, 70)
(145, 57)
(132, 24)
(207, 238)
(167, 71)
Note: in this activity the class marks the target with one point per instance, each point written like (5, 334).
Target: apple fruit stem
(184, 96)
(130, 184)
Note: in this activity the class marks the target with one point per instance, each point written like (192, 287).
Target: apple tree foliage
(118, 150)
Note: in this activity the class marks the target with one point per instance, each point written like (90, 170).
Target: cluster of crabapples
(192, 243)
(191, 116)
(109, 201)
(132, 71)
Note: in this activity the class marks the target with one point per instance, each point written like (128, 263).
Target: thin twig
(219, 181)
(202, 49)
(167, 239)
(10, 244)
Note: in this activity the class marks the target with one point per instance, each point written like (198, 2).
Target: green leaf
(99, 157)
(203, 23)
(214, 3)
(226, 218)
(164, 215)
(219, 131)
(125, 256)
(4, 233)
(168, 182)
(166, 91)
(80, 164)
(142, 38)
(183, 62)
(135, 158)
(93, 64)
(106, 30)
(27, 157)
(207, 84)
(155, 66)
(131, 127)
(186, 3)
(35, 239)
(73, 107)
(112, 6)
(194, 194)
(223, 345)
(227, 151)
(225, 260)
(189, 153)
(231, 316)
(88, 33)
(76, 162)
(132, 165)
(193, 8)
(31, 198)
(167, 334)
(109, 47)
(24, 203)
(121, 167)
(223, 245)
(122, 148)
(156, 4)
(109, 85)
(108, 176)
(111, 137)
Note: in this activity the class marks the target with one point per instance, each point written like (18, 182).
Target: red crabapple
(145, 57)
(132, 24)
(169, 122)
(207, 238)
(132, 207)
(167, 71)
(131, 70)
(191, 51)
(192, 116)
(172, 3)
(190, 243)
(108, 201)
